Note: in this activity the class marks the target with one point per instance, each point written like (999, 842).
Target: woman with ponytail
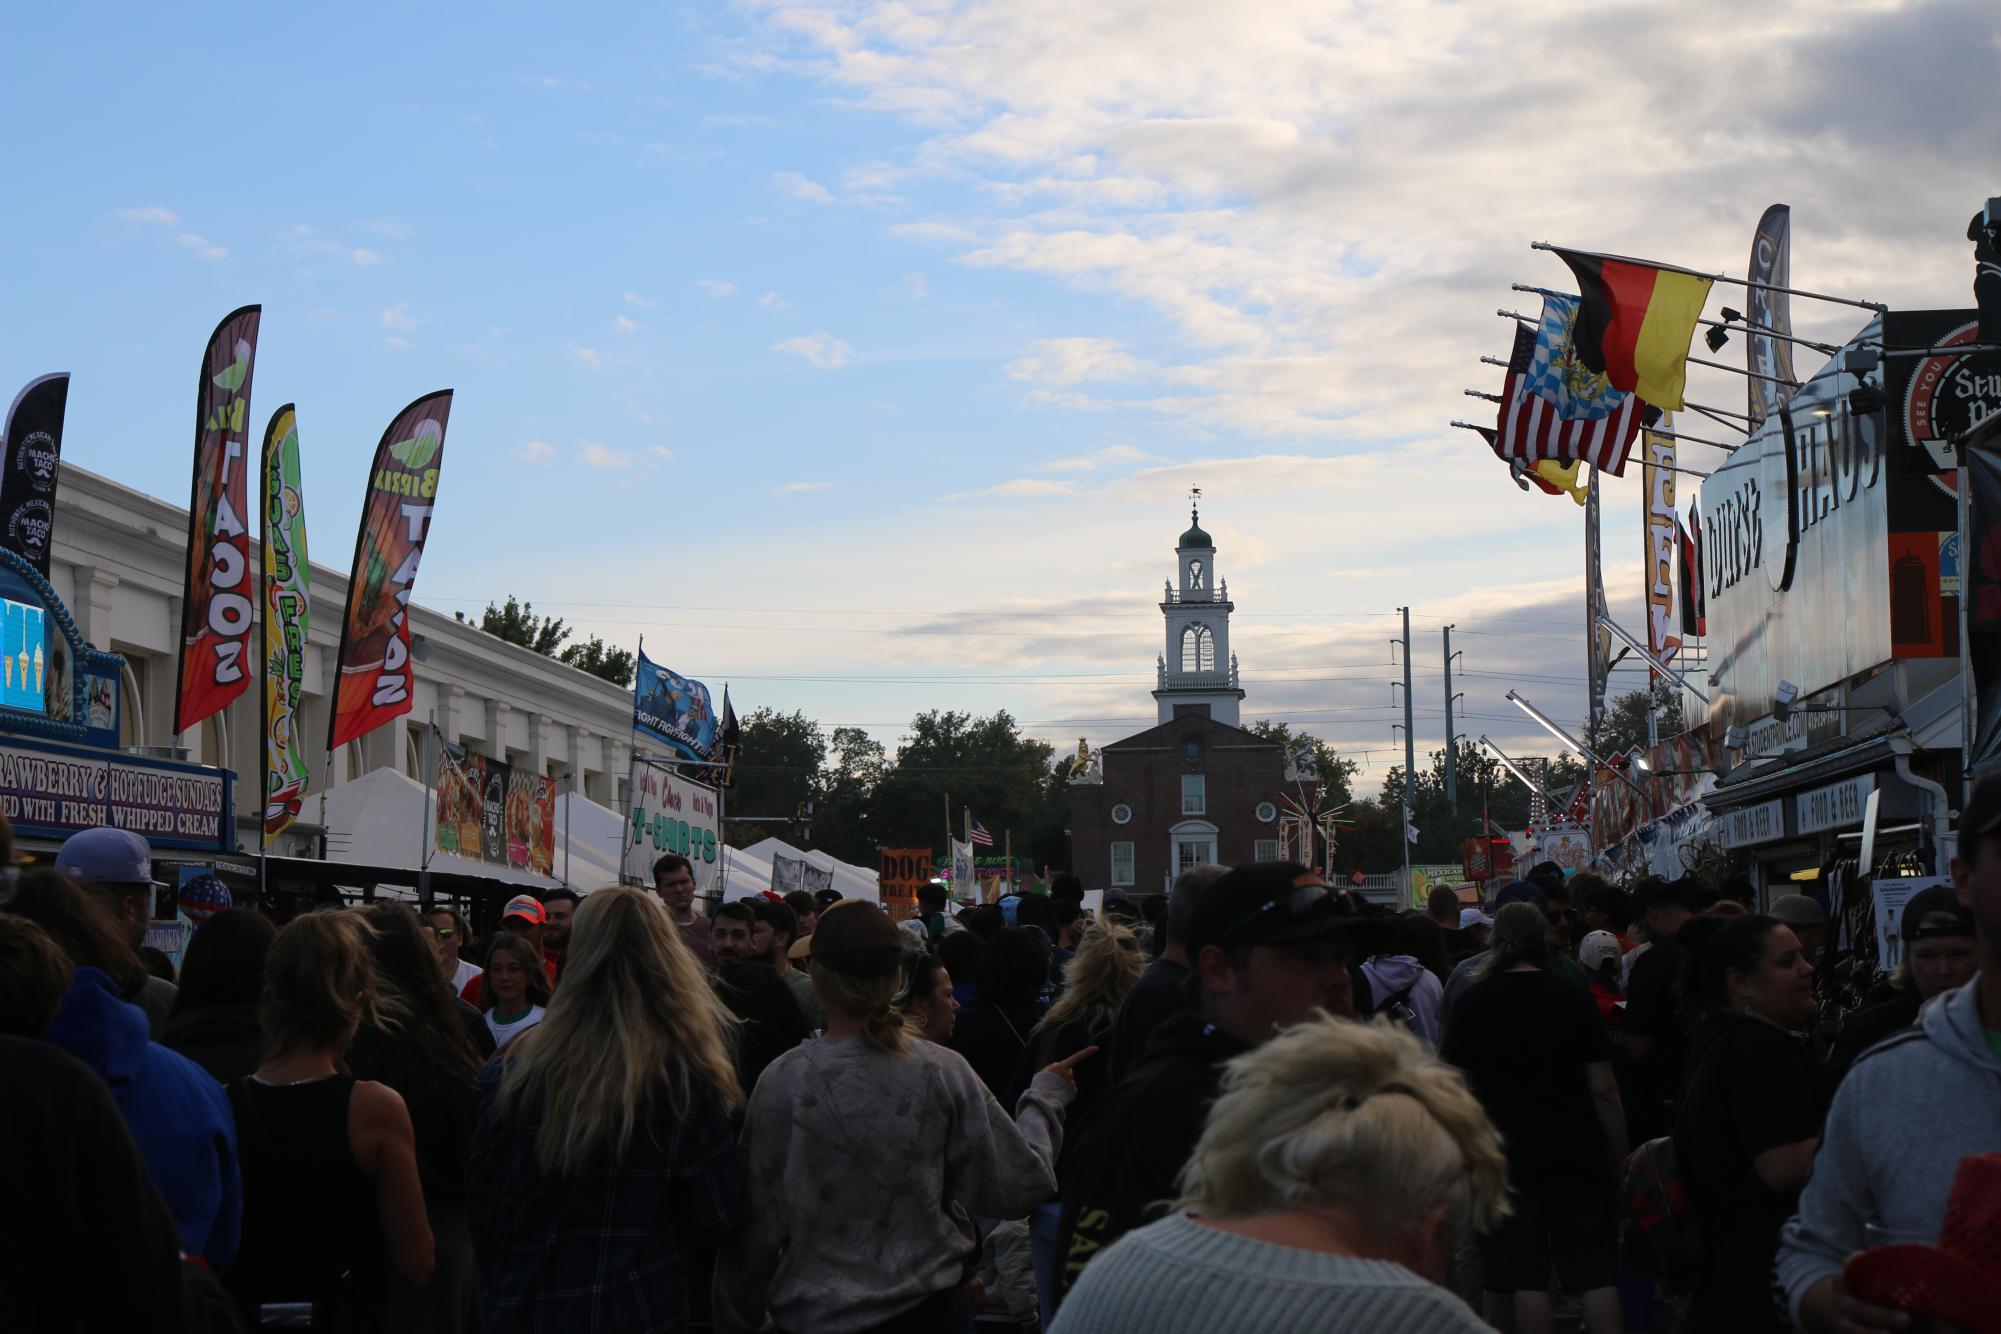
(860, 1144)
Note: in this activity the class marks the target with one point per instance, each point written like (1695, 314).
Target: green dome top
(1194, 537)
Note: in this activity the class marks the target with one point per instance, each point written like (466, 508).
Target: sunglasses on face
(445, 932)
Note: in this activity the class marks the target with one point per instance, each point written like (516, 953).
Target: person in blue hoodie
(178, 1116)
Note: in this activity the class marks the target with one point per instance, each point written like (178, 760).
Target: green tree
(778, 761)
(1336, 773)
(615, 665)
(517, 623)
(844, 823)
(1007, 779)
(1625, 724)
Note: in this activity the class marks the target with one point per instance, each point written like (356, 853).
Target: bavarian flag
(1635, 323)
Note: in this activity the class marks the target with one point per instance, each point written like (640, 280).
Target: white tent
(380, 819)
(854, 882)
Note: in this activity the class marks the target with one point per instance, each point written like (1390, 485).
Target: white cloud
(389, 227)
(799, 187)
(1065, 362)
(1111, 456)
(715, 286)
(397, 318)
(588, 356)
(798, 488)
(773, 301)
(596, 455)
(152, 213)
(201, 245)
(366, 259)
(822, 349)
(537, 451)
(661, 452)
(915, 286)
(1017, 489)
(626, 324)
(638, 302)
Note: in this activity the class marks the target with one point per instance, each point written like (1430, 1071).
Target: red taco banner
(219, 599)
(373, 673)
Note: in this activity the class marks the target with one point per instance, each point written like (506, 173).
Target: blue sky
(879, 345)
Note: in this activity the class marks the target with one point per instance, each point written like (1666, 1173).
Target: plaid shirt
(608, 1249)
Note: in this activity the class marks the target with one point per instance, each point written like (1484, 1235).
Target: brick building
(1195, 787)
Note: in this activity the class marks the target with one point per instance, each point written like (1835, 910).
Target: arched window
(1198, 649)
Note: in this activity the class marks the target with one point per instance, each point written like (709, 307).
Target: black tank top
(310, 1227)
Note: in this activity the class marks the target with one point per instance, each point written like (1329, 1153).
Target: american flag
(1531, 429)
(980, 837)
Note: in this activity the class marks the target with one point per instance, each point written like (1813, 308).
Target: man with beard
(561, 905)
(754, 993)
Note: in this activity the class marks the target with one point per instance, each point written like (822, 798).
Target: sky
(863, 356)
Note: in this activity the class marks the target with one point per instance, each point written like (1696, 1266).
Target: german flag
(1635, 323)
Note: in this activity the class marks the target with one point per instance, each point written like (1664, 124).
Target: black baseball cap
(1269, 903)
(1935, 912)
(1983, 810)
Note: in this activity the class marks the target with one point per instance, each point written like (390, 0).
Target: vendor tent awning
(854, 882)
(380, 819)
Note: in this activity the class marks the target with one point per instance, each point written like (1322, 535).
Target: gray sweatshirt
(1178, 1275)
(1908, 1111)
(855, 1157)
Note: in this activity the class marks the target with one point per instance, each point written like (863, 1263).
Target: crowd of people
(1255, 1102)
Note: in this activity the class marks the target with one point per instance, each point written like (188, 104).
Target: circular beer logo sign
(36, 458)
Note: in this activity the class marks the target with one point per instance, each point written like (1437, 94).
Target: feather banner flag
(287, 619)
(33, 440)
(219, 598)
(373, 675)
(1635, 323)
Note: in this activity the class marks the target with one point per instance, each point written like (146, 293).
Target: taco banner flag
(373, 675)
(219, 599)
(287, 618)
(34, 444)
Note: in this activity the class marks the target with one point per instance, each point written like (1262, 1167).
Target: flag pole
(1876, 306)
(1693, 472)
(1694, 361)
(1745, 325)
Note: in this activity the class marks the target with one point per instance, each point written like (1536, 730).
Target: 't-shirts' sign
(56, 793)
(671, 814)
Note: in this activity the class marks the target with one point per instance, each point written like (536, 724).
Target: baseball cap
(1268, 903)
(857, 938)
(107, 856)
(1595, 949)
(1798, 910)
(528, 908)
(1472, 917)
(1652, 889)
(1935, 912)
(1521, 891)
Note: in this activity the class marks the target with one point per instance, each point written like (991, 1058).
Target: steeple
(1197, 670)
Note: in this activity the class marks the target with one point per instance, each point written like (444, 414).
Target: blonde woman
(604, 1154)
(859, 1144)
(332, 1196)
(1332, 1183)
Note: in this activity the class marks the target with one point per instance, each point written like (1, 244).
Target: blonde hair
(633, 1007)
(1096, 980)
(869, 999)
(319, 983)
(1351, 1116)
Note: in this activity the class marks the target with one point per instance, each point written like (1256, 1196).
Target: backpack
(1659, 1236)
(1397, 1007)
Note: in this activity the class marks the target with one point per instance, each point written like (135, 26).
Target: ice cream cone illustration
(10, 671)
(38, 669)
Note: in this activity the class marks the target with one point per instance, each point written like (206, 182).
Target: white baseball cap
(1595, 949)
(1472, 917)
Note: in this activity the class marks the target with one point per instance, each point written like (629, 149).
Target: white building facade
(119, 561)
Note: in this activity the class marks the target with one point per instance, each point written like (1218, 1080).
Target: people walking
(603, 1152)
(1161, 992)
(214, 1020)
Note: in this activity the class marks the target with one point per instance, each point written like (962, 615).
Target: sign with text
(902, 872)
(219, 598)
(1657, 482)
(53, 792)
(1749, 825)
(1837, 806)
(670, 814)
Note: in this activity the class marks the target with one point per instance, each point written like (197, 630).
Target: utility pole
(1409, 753)
(1451, 741)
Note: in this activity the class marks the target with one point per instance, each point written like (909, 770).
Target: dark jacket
(772, 1023)
(992, 1039)
(88, 1244)
(1869, 1026)
(1119, 1168)
(178, 1116)
(224, 1039)
(1158, 996)
(609, 1248)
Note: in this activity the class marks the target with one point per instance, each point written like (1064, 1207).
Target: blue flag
(673, 710)
(1558, 377)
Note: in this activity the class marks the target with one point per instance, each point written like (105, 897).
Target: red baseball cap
(528, 908)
